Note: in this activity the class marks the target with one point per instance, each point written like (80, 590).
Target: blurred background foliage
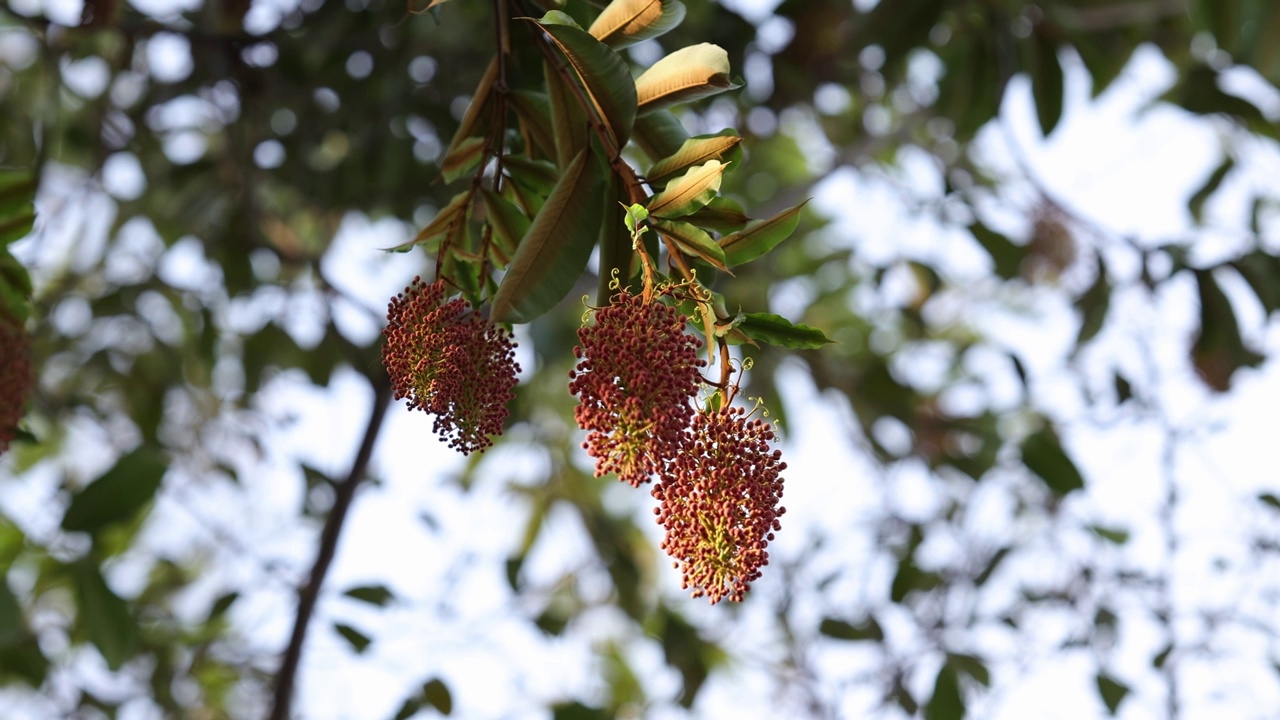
(235, 137)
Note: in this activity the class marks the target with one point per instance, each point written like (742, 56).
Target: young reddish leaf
(604, 76)
(760, 236)
(687, 74)
(627, 22)
(462, 159)
(689, 192)
(696, 151)
(777, 330)
(555, 249)
(693, 241)
(118, 494)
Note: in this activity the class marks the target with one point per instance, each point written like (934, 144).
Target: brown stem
(308, 595)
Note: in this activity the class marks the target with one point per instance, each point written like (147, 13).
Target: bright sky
(1123, 164)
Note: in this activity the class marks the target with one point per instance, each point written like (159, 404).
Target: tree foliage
(192, 170)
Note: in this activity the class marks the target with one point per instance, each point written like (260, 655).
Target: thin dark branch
(307, 596)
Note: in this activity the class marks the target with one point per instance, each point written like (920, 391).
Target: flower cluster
(719, 504)
(636, 375)
(450, 362)
(15, 377)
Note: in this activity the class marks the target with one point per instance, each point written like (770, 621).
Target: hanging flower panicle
(450, 362)
(719, 503)
(637, 372)
(15, 377)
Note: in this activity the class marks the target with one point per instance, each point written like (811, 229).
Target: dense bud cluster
(636, 375)
(450, 362)
(15, 377)
(719, 503)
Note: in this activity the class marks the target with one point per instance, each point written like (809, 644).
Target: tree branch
(309, 593)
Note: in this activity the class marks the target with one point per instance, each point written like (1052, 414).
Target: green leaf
(221, 606)
(604, 76)
(533, 109)
(443, 223)
(555, 250)
(1270, 499)
(12, 624)
(103, 615)
(689, 192)
(659, 134)
(1218, 350)
(693, 241)
(358, 640)
(468, 138)
(721, 214)
(373, 594)
(946, 703)
(1044, 456)
(777, 330)
(1112, 535)
(509, 224)
(1198, 199)
(1112, 691)
(841, 630)
(722, 146)
(570, 129)
(685, 75)
(17, 204)
(971, 666)
(118, 494)
(1046, 83)
(627, 22)
(1262, 272)
(760, 236)
(437, 695)
(616, 252)
(1093, 305)
(1007, 256)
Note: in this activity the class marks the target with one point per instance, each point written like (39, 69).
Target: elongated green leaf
(627, 22)
(436, 694)
(103, 615)
(118, 494)
(1093, 305)
(1044, 456)
(696, 151)
(689, 192)
(1262, 272)
(616, 252)
(842, 630)
(1007, 256)
(12, 624)
(685, 75)
(555, 250)
(568, 118)
(659, 134)
(760, 236)
(604, 76)
(15, 287)
(533, 109)
(721, 214)
(508, 223)
(443, 222)
(1218, 350)
(373, 594)
(947, 703)
(471, 126)
(1047, 83)
(358, 640)
(1198, 199)
(777, 330)
(693, 241)
(462, 159)
(17, 204)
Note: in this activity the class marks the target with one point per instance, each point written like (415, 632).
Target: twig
(285, 679)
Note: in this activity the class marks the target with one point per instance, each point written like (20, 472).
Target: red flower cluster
(719, 503)
(15, 377)
(450, 362)
(636, 375)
